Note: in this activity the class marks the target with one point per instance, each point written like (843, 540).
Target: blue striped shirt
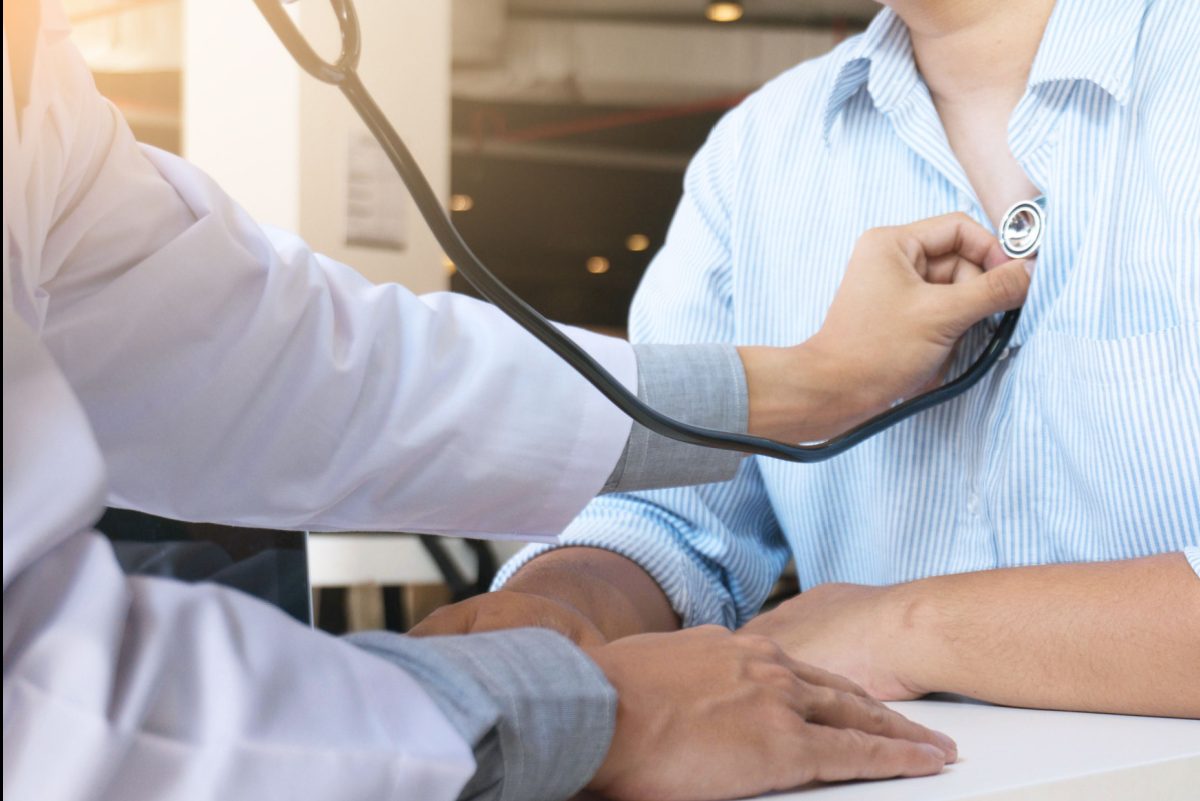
(1082, 445)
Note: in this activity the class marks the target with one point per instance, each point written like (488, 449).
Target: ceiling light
(724, 11)
(597, 265)
(638, 242)
(461, 203)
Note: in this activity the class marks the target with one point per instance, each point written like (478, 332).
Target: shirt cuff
(1193, 556)
(627, 526)
(704, 385)
(537, 711)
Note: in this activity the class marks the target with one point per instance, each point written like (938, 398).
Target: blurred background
(557, 131)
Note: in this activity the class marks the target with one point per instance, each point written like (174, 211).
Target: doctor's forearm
(793, 394)
(1114, 636)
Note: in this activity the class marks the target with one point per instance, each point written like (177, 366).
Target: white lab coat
(163, 353)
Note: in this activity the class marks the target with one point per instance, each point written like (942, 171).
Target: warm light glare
(597, 265)
(461, 203)
(448, 266)
(724, 12)
(638, 243)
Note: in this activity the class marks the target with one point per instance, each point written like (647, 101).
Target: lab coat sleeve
(538, 712)
(233, 375)
(125, 688)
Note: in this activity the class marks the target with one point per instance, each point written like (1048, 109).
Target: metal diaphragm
(1022, 227)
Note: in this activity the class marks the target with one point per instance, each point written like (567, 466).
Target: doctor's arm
(232, 375)
(1119, 636)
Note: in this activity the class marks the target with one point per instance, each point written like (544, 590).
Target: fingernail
(1029, 266)
(948, 746)
(935, 752)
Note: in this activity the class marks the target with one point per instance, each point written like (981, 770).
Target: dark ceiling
(554, 185)
(540, 213)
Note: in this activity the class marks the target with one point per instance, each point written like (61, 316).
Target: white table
(1035, 755)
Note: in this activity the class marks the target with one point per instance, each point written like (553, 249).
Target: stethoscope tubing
(344, 75)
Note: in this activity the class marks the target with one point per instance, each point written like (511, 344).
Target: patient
(1035, 542)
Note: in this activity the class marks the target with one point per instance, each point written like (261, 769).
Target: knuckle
(763, 646)
(776, 675)
(780, 719)
(828, 697)
(808, 699)
(825, 700)
(877, 715)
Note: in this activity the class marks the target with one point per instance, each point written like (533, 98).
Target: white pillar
(279, 141)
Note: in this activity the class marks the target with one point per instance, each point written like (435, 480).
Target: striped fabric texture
(1083, 444)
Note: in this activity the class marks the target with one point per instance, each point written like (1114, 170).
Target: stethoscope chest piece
(1021, 228)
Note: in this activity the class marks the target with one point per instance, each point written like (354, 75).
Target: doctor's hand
(707, 714)
(908, 294)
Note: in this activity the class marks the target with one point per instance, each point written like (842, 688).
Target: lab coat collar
(1085, 40)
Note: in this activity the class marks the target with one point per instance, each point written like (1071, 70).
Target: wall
(278, 140)
(241, 104)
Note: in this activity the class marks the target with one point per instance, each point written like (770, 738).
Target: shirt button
(973, 503)
(1003, 354)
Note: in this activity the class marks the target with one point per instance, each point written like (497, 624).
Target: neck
(968, 48)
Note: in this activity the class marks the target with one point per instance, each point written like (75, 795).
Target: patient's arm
(588, 594)
(1111, 636)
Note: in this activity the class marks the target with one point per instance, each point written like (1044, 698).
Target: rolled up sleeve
(1193, 556)
(715, 550)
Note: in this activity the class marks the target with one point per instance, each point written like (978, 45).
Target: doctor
(162, 352)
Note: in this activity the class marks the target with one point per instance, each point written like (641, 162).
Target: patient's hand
(849, 629)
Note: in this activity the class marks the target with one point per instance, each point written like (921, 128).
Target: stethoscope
(1020, 235)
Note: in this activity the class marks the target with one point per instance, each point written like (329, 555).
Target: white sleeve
(232, 375)
(122, 689)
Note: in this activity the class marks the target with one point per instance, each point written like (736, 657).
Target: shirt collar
(1089, 40)
(881, 60)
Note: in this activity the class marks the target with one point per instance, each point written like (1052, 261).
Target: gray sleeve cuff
(537, 711)
(703, 385)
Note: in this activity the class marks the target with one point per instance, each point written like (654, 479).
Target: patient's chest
(1084, 443)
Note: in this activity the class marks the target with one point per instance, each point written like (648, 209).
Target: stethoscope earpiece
(1021, 228)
